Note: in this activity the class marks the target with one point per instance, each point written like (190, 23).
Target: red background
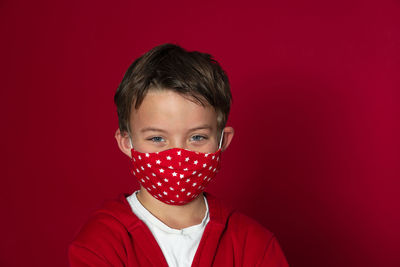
(316, 90)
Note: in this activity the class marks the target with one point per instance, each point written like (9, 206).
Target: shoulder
(100, 225)
(261, 244)
(248, 228)
(111, 220)
(237, 223)
(226, 214)
(257, 245)
(102, 237)
(251, 242)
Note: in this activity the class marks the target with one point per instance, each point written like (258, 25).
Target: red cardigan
(114, 236)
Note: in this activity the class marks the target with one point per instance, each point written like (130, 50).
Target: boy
(172, 109)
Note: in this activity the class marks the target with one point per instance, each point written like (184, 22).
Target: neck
(177, 217)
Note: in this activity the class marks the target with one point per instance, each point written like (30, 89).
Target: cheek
(141, 146)
(146, 148)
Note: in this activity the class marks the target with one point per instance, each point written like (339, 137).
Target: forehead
(171, 111)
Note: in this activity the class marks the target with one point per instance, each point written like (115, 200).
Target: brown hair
(195, 75)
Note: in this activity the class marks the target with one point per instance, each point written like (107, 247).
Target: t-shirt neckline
(146, 215)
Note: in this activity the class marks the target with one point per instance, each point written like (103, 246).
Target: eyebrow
(205, 126)
(153, 129)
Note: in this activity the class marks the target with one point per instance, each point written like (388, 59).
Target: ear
(123, 142)
(228, 135)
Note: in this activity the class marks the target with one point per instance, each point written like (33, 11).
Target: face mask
(175, 176)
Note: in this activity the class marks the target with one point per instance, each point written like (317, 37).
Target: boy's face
(166, 119)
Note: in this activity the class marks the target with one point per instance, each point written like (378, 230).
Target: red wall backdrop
(316, 113)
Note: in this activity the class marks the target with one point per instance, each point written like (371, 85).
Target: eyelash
(152, 139)
(202, 137)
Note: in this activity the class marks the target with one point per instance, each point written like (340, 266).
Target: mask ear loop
(130, 141)
(130, 138)
(220, 140)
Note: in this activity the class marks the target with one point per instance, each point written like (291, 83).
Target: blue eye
(156, 139)
(198, 138)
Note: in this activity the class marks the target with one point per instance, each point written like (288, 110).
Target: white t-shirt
(178, 246)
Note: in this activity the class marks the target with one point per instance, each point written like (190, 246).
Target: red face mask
(175, 176)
